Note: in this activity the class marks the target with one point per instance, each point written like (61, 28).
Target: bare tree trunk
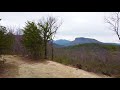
(118, 35)
(114, 22)
(45, 50)
(52, 50)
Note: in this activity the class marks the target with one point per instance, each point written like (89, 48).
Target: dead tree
(114, 22)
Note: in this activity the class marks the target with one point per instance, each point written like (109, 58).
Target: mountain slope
(93, 57)
(62, 42)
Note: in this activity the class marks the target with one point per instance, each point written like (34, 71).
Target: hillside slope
(17, 67)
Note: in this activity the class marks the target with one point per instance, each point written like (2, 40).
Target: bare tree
(114, 21)
(19, 31)
(10, 29)
(52, 38)
(49, 26)
(18, 37)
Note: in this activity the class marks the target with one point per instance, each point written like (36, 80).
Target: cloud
(75, 24)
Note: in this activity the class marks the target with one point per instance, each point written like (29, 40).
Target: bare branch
(114, 22)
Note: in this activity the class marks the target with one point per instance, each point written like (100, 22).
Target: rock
(2, 60)
(79, 66)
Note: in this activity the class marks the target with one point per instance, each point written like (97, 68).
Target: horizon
(75, 24)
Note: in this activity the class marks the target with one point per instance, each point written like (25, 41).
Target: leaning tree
(114, 22)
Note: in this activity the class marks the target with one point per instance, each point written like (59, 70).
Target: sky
(74, 24)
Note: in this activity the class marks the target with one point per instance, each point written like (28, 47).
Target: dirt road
(17, 67)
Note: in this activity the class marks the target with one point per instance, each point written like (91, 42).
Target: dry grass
(17, 67)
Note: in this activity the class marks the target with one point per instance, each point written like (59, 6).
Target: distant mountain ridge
(79, 40)
(62, 42)
(83, 40)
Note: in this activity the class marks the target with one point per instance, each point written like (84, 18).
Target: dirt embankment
(18, 67)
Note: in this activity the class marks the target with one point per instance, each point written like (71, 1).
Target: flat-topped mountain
(79, 40)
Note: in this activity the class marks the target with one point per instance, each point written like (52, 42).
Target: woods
(6, 40)
(32, 40)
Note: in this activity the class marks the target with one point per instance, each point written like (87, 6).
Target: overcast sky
(75, 24)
